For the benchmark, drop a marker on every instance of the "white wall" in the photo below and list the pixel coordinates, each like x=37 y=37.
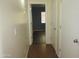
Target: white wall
x=13 y=29
x=70 y=28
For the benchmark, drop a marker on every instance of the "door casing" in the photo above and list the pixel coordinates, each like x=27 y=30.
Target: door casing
x=30 y=21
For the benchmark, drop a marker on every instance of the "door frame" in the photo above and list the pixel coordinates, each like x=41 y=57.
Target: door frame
x=30 y=21
x=60 y=31
x=58 y=40
x=59 y=16
x=59 y=23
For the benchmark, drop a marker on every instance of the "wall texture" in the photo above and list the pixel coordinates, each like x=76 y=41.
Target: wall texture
x=70 y=29
x=13 y=29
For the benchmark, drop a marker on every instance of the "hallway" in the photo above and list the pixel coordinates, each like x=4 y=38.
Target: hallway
x=38 y=37
x=41 y=51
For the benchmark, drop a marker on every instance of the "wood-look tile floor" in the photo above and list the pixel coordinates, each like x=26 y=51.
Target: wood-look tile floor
x=41 y=51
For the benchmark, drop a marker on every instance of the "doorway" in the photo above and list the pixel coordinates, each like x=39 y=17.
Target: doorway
x=38 y=23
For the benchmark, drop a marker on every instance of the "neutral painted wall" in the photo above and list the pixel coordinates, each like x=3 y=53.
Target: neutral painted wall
x=70 y=28
x=13 y=29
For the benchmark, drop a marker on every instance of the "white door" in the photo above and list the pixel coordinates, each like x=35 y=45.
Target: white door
x=70 y=28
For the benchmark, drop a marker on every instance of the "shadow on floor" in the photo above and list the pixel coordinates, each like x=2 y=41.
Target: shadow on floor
x=41 y=51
